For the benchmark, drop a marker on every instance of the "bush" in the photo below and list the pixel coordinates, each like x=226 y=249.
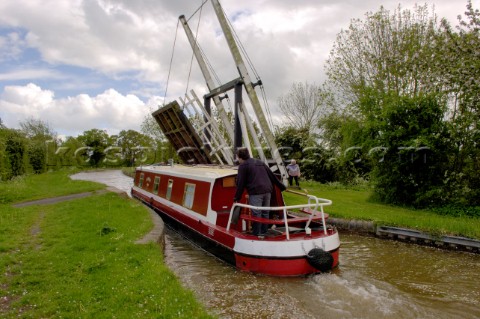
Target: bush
x=414 y=138
x=15 y=150
x=37 y=157
x=457 y=210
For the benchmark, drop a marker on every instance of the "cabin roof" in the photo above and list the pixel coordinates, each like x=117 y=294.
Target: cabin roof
x=201 y=172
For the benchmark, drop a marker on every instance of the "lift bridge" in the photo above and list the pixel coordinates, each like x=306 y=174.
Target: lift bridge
x=195 y=133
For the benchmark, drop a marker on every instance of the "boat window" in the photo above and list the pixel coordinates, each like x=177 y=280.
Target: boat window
x=169 y=189
x=188 y=195
x=155 y=184
x=229 y=181
x=140 y=181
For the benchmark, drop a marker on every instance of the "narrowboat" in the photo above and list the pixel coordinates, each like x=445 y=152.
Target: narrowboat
x=197 y=200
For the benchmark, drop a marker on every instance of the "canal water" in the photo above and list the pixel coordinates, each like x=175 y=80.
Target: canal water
x=376 y=278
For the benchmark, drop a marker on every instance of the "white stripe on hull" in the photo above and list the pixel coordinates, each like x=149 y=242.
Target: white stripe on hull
x=286 y=248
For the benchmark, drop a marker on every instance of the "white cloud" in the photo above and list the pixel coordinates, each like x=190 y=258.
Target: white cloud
x=109 y=110
x=29 y=74
x=287 y=41
x=11 y=46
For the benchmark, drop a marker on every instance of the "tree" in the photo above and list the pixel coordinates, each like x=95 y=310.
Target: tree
x=95 y=141
x=39 y=135
x=387 y=69
x=303 y=106
x=150 y=128
x=164 y=150
x=346 y=136
x=70 y=152
x=300 y=145
x=37 y=129
x=37 y=157
x=386 y=52
x=15 y=152
x=458 y=69
x=409 y=148
x=135 y=147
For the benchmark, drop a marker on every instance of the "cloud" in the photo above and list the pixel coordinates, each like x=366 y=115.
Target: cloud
x=29 y=74
x=71 y=116
x=11 y=45
x=92 y=60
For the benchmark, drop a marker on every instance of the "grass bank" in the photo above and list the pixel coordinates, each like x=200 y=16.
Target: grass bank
x=78 y=259
x=354 y=203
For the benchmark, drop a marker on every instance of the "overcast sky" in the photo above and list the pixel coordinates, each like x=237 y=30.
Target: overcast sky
x=84 y=64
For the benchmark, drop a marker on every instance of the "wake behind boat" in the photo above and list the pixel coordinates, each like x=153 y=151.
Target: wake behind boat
x=197 y=199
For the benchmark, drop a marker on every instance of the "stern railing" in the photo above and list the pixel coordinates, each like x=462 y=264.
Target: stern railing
x=313 y=206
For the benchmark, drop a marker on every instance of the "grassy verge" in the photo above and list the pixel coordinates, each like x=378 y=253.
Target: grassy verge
x=52 y=184
x=78 y=259
x=355 y=204
x=129 y=171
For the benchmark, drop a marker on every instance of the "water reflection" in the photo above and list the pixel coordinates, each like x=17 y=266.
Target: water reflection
x=376 y=279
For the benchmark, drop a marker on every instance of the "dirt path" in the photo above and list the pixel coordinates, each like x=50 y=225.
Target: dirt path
x=53 y=200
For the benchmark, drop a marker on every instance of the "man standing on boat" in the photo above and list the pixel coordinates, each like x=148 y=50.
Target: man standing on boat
x=255 y=176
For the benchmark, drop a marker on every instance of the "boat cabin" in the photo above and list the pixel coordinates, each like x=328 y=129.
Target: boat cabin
x=204 y=191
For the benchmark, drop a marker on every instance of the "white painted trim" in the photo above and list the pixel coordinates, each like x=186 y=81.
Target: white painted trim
x=286 y=248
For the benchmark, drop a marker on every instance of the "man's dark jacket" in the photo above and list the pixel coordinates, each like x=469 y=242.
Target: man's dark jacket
x=256 y=177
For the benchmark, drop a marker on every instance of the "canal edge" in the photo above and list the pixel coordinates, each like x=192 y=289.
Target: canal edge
x=157 y=234
x=406 y=235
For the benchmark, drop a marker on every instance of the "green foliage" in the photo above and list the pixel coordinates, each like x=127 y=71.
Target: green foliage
x=36 y=148
x=300 y=145
x=3 y=155
x=136 y=148
x=292 y=142
x=15 y=152
x=423 y=151
x=95 y=141
x=386 y=51
x=457 y=67
x=317 y=165
x=149 y=127
x=37 y=157
x=457 y=210
x=58 y=266
x=39 y=134
x=344 y=135
x=412 y=138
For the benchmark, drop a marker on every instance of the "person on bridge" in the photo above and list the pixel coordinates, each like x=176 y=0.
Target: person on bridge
x=255 y=176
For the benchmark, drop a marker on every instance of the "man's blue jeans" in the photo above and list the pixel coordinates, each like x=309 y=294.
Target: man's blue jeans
x=262 y=200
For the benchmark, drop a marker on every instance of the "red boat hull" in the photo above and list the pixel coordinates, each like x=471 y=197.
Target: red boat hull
x=222 y=243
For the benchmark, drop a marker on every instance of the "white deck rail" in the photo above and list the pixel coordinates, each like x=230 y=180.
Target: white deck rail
x=313 y=202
